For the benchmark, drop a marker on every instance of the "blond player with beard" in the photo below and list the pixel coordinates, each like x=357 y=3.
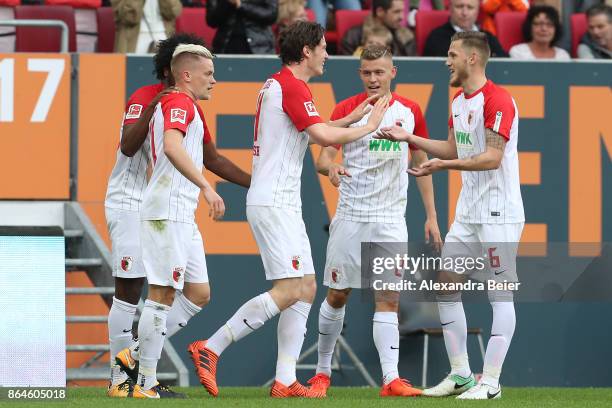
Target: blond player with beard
x=482 y=144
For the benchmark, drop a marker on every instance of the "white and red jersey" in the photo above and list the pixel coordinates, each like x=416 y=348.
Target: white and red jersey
x=284 y=109
x=129 y=176
x=377 y=190
x=170 y=195
x=492 y=196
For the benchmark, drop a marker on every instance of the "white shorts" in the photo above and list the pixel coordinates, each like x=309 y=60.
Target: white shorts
x=495 y=244
x=124 y=230
x=173 y=253
x=281 y=237
x=343 y=262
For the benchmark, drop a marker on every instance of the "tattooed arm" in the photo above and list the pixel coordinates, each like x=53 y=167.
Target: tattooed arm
x=490 y=159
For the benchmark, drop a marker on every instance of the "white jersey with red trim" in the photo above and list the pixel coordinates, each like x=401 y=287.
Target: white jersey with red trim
x=170 y=195
x=284 y=110
x=129 y=176
x=378 y=186
x=492 y=196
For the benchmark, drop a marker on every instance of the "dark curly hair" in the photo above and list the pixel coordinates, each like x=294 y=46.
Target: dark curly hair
x=551 y=13
x=165 y=49
x=295 y=37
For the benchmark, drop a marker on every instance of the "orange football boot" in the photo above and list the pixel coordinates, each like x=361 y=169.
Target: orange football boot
x=294 y=390
x=399 y=388
x=320 y=383
x=205 y=362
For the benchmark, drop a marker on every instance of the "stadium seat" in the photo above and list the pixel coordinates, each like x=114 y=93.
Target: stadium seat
x=311 y=15
x=578 y=25
x=345 y=20
x=106 y=29
x=39 y=39
x=426 y=21
x=509 y=28
x=193 y=20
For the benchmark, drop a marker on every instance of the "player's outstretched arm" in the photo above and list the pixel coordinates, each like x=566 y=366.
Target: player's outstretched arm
x=356 y=115
x=134 y=135
x=443 y=149
x=223 y=167
x=490 y=159
x=425 y=185
x=175 y=152
x=326 y=135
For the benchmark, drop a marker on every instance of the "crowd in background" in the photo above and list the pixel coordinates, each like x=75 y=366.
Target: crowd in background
x=253 y=26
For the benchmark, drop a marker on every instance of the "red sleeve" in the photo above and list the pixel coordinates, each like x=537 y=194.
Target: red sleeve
x=420 y=126
x=136 y=105
x=298 y=105
x=178 y=112
x=499 y=112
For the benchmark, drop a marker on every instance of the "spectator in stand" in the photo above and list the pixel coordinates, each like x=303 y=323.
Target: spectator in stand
x=141 y=24
x=541 y=31
x=243 y=26
x=463 y=15
x=388 y=13
x=490 y=7
x=376 y=34
x=597 y=42
x=320 y=8
x=290 y=11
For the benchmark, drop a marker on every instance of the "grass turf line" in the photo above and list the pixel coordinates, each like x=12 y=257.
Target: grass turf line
x=340 y=397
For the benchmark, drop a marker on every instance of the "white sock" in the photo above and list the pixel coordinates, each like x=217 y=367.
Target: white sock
x=152 y=332
x=135 y=349
x=182 y=310
x=386 y=338
x=120 y=321
x=331 y=321
x=504 y=322
x=290 y=333
x=454 y=328
x=250 y=317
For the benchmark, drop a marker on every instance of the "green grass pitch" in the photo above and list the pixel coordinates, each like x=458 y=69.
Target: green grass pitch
x=338 y=397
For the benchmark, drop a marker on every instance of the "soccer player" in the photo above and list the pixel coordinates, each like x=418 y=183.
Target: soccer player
x=286 y=120
x=371 y=208
x=172 y=249
x=482 y=143
x=123 y=199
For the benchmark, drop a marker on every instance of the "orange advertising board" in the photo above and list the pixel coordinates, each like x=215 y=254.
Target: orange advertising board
x=35 y=126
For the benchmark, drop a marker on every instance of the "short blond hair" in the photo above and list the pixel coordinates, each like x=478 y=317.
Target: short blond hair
x=191 y=51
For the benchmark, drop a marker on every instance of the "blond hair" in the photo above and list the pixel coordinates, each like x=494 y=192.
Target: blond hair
x=191 y=51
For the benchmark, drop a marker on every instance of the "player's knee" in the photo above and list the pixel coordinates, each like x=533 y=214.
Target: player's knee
x=337 y=298
x=129 y=290
x=309 y=289
x=201 y=299
x=161 y=294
